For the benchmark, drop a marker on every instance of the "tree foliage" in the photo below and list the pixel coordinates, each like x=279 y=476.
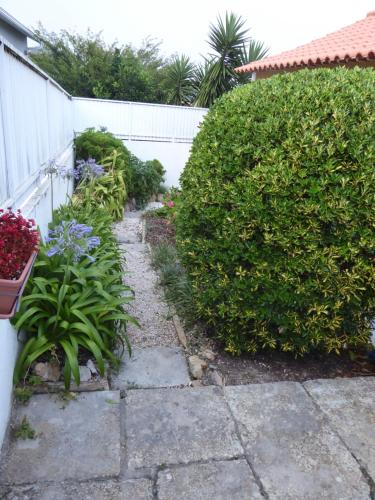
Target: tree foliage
x=231 y=48
x=85 y=66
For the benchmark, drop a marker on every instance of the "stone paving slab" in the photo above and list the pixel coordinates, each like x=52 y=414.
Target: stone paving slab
x=171 y=426
x=131 y=489
x=292 y=449
x=227 y=480
x=78 y=439
x=152 y=367
x=350 y=406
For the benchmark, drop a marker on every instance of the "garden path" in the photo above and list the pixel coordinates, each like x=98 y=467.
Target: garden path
x=154 y=437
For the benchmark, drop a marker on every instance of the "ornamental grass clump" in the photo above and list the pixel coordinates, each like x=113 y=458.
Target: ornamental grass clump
x=277 y=220
x=19 y=238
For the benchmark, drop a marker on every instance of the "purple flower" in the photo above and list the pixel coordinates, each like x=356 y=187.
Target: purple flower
x=71 y=239
x=88 y=169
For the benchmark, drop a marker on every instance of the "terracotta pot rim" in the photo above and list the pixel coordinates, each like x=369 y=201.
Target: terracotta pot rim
x=14 y=289
x=24 y=273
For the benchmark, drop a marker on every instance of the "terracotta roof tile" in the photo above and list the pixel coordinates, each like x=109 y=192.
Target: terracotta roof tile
x=354 y=42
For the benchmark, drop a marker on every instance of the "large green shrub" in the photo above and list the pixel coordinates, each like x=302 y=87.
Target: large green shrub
x=277 y=224
x=100 y=144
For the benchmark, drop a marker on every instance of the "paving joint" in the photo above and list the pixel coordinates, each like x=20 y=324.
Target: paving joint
x=246 y=456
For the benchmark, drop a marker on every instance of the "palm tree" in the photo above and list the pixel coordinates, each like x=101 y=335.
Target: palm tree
x=254 y=51
x=232 y=46
x=180 y=80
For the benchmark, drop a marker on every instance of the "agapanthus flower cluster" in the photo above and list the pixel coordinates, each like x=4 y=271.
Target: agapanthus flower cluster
x=72 y=240
x=88 y=169
x=18 y=239
x=62 y=171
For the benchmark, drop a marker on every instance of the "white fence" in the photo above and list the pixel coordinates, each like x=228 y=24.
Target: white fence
x=36 y=124
x=148 y=130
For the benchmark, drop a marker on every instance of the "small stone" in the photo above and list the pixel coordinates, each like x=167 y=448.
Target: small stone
x=216 y=378
x=196 y=383
x=90 y=365
x=196 y=366
x=208 y=354
x=48 y=372
x=84 y=373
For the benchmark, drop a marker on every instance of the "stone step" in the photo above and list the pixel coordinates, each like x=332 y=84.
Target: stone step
x=152 y=367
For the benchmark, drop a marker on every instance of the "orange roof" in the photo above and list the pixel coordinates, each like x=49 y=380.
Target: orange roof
x=352 y=43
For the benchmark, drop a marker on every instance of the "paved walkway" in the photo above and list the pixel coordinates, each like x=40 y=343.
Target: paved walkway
x=155 y=437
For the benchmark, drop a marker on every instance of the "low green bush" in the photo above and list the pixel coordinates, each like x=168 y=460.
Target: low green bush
x=173 y=278
x=148 y=176
x=277 y=221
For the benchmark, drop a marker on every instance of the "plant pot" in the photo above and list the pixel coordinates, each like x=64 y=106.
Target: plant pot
x=11 y=290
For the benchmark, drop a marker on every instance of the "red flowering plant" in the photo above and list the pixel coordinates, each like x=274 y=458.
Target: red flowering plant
x=18 y=239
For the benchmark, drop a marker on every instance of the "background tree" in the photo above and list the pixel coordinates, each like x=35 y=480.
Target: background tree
x=180 y=80
x=232 y=47
x=85 y=66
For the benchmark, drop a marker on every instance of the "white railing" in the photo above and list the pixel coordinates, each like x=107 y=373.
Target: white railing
x=36 y=124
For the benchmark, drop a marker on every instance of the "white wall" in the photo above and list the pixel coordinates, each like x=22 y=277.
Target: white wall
x=148 y=130
x=172 y=155
x=36 y=125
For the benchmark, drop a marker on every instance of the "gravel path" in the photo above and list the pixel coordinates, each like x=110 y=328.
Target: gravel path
x=149 y=306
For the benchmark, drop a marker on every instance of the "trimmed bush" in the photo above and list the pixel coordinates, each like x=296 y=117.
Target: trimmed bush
x=277 y=223
x=100 y=144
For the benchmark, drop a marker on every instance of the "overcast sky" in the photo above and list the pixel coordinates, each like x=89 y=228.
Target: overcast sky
x=182 y=26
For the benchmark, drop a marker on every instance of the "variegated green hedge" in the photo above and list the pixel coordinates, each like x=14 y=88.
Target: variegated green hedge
x=277 y=225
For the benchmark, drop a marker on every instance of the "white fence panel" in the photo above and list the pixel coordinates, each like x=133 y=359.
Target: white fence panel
x=148 y=130
x=37 y=123
x=138 y=121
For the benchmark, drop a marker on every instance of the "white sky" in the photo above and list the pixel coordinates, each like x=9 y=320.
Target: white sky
x=183 y=26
